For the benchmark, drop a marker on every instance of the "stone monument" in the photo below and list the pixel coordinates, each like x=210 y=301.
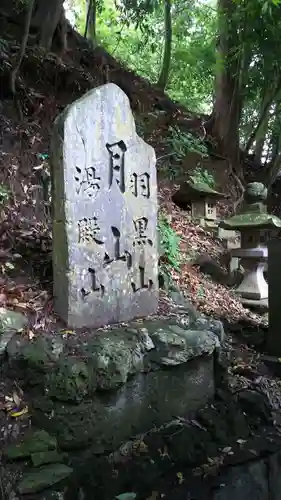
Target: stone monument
x=255 y=225
x=199 y=199
x=105 y=254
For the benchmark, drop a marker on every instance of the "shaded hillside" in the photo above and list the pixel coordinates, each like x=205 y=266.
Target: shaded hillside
x=46 y=84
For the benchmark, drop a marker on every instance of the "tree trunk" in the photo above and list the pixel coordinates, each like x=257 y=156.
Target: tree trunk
x=259 y=133
x=262 y=129
x=273 y=171
x=24 y=41
x=164 y=73
x=46 y=20
x=274 y=146
x=230 y=82
x=90 y=28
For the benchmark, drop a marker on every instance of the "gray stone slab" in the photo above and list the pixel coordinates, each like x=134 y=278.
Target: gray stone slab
x=255 y=304
x=147 y=399
x=246 y=482
x=105 y=253
x=10 y=323
x=106 y=386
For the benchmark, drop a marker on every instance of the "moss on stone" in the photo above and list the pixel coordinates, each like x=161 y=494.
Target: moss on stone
x=36 y=441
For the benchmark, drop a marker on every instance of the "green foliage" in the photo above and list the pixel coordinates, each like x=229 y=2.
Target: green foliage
x=169 y=170
x=133 y=32
x=183 y=143
x=200 y=176
x=193 y=59
x=169 y=244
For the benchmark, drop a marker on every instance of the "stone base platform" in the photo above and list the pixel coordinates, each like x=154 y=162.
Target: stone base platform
x=101 y=387
x=255 y=304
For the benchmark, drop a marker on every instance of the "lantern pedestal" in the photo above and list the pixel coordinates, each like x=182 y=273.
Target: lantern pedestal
x=253 y=261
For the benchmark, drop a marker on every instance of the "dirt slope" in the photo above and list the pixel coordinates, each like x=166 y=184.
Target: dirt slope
x=47 y=83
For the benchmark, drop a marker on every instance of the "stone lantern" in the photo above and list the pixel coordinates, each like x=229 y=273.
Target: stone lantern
x=198 y=199
x=255 y=225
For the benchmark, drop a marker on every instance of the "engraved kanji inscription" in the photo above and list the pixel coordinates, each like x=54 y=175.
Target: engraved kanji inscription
x=87 y=181
x=141 y=239
x=95 y=287
x=140 y=185
x=89 y=231
x=142 y=284
x=126 y=257
x=117 y=164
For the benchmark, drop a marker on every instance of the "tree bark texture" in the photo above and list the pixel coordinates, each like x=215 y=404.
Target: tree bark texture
x=232 y=64
x=164 y=73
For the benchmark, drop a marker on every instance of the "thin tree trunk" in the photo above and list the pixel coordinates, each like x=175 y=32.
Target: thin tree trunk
x=274 y=166
x=90 y=27
x=260 y=140
x=273 y=171
x=22 y=50
x=259 y=146
x=264 y=116
x=227 y=106
x=232 y=63
x=164 y=73
x=24 y=41
x=274 y=146
x=46 y=19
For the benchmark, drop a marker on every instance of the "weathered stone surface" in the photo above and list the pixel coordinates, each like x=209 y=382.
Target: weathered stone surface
x=114 y=416
x=253 y=212
x=40 y=351
x=214 y=455
x=244 y=483
x=223 y=421
x=105 y=213
x=36 y=358
x=117 y=381
x=47 y=457
x=253 y=221
x=253 y=285
x=36 y=441
x=10 y=322
x=126 y=496
x=70 y=380
x=108 y=359
x=256 y=405
x=211 y=325
x=183 y=304
x=192 y=318
x=177 y=345
x=37 y=479
x=117 y=354
x=198 y=198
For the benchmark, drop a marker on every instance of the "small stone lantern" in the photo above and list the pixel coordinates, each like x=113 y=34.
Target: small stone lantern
x=254 y=223
x=198 y=199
